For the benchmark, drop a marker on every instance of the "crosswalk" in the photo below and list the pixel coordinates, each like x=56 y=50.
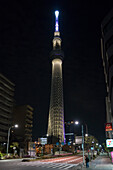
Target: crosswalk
x=47 y=165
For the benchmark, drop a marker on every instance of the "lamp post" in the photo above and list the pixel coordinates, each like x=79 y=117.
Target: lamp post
x=76 y=122
x=86 y=130
x=83 y=142
x=15 y=126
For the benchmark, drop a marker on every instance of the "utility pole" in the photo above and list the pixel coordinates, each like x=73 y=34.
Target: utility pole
x=83 y=142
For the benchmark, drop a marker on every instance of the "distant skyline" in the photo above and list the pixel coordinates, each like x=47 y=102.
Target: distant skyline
x=26 y=33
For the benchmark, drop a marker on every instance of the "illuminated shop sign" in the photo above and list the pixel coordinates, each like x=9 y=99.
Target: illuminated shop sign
x=108 y=127
x=109 y=143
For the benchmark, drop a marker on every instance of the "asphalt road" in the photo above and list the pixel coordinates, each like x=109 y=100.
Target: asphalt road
x=55 y=163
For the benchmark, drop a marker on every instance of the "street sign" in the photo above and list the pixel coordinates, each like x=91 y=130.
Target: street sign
x=62 y=143
x=92 y=148
x=69 y=143
x=57 y=143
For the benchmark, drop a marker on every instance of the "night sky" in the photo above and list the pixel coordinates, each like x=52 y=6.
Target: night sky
x=26 y=33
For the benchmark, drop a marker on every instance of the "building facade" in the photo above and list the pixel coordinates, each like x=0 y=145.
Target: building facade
x=72 y=131
x=69 y=126
x=69 y=131
x=6 y=106
x=107 y=57
x=56 y=111
x=23 y=116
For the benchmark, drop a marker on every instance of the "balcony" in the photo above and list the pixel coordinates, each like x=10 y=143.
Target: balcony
x=28 y=130
x=3 y=133
x=29 y=116
x=5 y=115
x=5 y=121
x=6 y=90
x=4 y=127
x=29 y=121
x=6 y=94
x=6 y=97
x=4 y=101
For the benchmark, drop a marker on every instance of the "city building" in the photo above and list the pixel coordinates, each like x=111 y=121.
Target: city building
x=71 y=131
x=56 y=111
x=42 y=140
x=69 y=126
x=23 y=116
x=107 y=57
x=6 y=106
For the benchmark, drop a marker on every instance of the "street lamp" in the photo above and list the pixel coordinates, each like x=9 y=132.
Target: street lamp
x=15 y=126
x=76 y=122
x=86 y=135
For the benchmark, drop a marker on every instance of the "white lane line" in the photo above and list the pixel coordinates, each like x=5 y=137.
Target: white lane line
x=11 y=160
x=69 y=166
x=63 y=166
x=50 y=165
x=56 y=165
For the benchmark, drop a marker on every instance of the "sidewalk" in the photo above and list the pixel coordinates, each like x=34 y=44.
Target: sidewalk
x=102 y=162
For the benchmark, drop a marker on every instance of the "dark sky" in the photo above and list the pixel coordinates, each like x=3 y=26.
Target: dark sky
x=26 y=33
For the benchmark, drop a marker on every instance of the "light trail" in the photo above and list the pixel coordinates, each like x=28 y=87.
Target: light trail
x=60 y=159
x=66 y=160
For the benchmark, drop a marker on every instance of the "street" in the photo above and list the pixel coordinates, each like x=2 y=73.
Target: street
x=102 y=162
x=54 y=163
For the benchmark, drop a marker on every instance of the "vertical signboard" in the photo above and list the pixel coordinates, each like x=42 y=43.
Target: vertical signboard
x=108 y=127
x=112 y=156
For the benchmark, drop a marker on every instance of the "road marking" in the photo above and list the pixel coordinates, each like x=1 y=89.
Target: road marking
x=44 y=164
x=69 y=167
x=74 y=160
x=56 y=165
x=63 y=166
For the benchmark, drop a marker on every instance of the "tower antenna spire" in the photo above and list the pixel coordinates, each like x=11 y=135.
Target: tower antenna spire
x=56 y=131
x=56 y=21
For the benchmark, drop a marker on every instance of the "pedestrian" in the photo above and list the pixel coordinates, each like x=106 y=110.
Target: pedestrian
x=87 y=161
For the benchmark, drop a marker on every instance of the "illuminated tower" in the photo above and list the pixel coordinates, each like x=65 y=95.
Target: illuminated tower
x=56 y=110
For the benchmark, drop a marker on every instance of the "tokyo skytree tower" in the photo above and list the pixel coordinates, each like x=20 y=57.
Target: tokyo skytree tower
x=56 y=130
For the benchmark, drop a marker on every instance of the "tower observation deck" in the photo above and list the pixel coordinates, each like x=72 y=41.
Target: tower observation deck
x=56 y=111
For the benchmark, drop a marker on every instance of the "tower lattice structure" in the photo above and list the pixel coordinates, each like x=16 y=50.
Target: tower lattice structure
x=56 y=130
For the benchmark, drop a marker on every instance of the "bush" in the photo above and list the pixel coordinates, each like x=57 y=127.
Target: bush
x=1 y=155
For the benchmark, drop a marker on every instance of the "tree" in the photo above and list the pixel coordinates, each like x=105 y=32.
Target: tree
x=14 y=146
x=90 y=141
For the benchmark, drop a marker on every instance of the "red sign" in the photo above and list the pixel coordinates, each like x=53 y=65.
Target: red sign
x=108 y=127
